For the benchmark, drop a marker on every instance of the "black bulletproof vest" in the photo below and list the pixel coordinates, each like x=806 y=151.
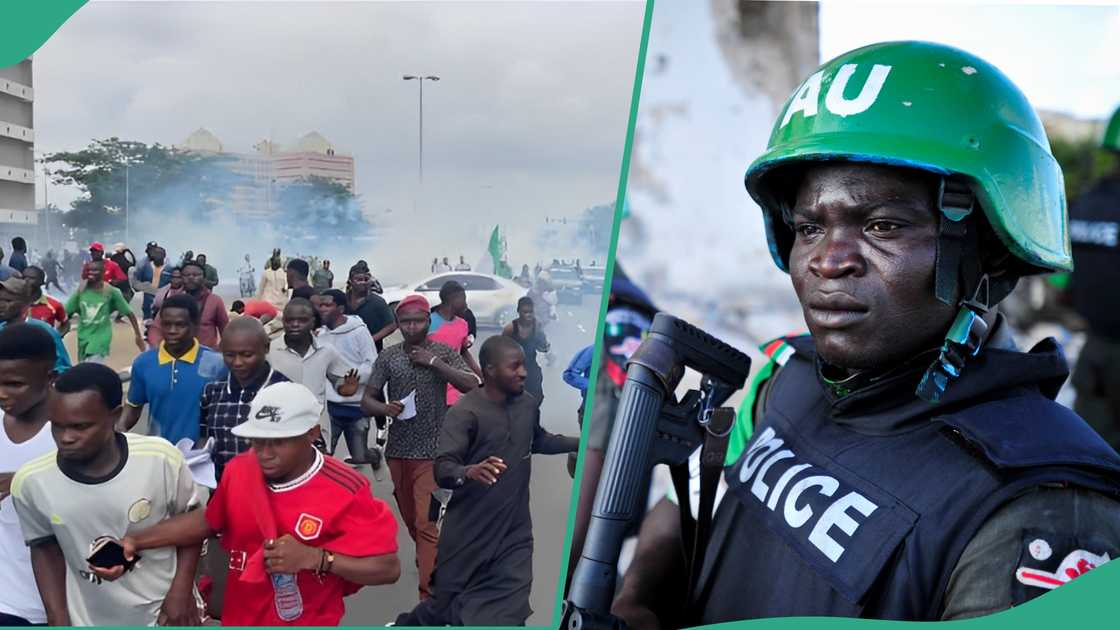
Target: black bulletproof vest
x=820 y=519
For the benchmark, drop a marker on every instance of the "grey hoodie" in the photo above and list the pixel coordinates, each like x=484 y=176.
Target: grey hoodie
x=353 y=341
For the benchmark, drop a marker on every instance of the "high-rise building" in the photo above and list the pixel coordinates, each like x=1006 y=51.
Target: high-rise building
x=270 y=166
x=17 y=153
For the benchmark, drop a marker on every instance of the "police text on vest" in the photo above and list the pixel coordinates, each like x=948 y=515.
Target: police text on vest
x=778 y=481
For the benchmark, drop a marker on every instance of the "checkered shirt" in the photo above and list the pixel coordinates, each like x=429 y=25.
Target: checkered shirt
x=224 y=405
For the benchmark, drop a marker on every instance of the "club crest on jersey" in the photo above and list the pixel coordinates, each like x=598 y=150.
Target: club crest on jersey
x=308 y=526
x=139 y=511
x=807 y=97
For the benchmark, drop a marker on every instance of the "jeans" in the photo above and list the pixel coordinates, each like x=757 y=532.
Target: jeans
x=356 y=431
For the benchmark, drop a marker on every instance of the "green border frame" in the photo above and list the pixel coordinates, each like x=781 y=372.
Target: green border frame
x=28 y=24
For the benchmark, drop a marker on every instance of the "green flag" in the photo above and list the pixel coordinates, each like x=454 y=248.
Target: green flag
x=498 y=265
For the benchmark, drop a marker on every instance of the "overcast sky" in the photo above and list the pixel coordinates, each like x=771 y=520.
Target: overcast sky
x=528 y=120
x=1064 y=57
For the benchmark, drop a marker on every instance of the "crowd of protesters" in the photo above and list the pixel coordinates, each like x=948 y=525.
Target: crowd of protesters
x=229 y=491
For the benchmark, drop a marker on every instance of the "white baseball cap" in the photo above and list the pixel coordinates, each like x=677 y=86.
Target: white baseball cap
x=281 y=410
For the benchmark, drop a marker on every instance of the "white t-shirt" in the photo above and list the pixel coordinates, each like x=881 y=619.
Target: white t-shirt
x=312 y=370
x=18 y=594
x=153 y=483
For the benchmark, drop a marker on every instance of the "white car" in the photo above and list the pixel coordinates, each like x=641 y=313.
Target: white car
x=492 y=299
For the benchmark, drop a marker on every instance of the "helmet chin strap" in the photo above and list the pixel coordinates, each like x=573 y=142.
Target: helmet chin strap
x=958 y=272
x=964 y=339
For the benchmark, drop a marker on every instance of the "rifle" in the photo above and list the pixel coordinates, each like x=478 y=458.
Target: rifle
x=653 y=427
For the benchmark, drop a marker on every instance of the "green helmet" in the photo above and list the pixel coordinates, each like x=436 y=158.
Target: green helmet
x=931 y=107
x=1111 y=138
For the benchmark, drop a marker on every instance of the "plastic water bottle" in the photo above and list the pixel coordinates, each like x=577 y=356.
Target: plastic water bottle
x=289 y=602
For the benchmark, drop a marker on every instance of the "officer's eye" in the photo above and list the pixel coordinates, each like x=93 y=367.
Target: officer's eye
x=882 y=227
x=806 y=230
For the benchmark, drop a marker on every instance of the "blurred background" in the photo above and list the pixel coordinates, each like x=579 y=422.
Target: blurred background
x=717 y=73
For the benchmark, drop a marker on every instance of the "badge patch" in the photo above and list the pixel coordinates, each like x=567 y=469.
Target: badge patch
x=1048 y=561
x=237 y=560
x=308 y=526
x=1074 y=565
x=139 y=511
x=1040 y=549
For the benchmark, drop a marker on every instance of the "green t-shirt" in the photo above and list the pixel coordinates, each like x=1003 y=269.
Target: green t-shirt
x=95 y=311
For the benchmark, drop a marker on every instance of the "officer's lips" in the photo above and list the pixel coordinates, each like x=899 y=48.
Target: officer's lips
x=835 y=310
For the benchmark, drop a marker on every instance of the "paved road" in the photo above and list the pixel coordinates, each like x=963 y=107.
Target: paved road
x=550 y=488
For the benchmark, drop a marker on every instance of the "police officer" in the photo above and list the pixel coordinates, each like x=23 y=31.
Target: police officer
x=1095 y=232
x=908 y=460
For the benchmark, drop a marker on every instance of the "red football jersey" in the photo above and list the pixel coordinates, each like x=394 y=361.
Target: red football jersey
x=331 y=506
x=48 y=310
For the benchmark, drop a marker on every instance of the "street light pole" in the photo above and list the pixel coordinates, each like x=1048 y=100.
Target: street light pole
x=126 y=202
x=47 y=206
x=421 y=79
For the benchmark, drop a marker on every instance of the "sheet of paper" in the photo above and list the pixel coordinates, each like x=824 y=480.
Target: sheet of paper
x=409 y=403
x=199 y=461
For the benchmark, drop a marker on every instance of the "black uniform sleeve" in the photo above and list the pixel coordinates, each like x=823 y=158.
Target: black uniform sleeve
x=1030 y=546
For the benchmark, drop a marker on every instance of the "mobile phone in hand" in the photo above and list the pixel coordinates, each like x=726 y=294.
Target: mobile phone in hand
x=108 y=553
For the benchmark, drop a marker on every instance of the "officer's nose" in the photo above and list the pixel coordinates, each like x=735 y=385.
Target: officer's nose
x=837 y=255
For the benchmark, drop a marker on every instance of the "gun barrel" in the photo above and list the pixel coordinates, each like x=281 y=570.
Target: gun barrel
x=620 y=487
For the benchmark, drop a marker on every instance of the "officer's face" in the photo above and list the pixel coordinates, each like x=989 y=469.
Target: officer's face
x=862 y=264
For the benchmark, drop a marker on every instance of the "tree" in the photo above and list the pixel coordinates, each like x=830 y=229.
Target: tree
x=152 y=181
x=322 y=207
x=595 y=227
